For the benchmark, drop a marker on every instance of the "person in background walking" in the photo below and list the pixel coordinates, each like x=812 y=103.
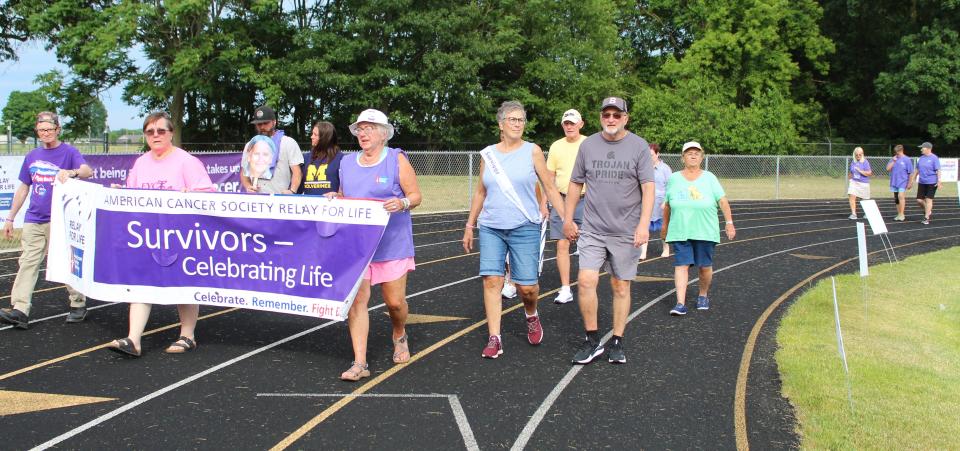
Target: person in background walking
x=927 y=176
x=900 y=167
x=562 y=155
x=690 y=224
x=859 y=175
x=661 y=173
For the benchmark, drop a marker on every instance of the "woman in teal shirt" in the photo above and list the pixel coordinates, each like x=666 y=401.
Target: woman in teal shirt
x=690 y=224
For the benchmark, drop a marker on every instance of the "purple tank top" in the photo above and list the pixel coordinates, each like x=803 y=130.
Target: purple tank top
x=381 y=181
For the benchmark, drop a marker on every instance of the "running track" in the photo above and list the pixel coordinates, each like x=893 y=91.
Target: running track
x=261 y=381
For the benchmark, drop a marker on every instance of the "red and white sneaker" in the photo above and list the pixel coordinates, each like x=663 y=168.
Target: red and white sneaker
x=534 y=330
x=493 y=348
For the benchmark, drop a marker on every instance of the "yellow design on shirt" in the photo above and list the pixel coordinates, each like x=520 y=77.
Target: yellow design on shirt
x=316 y=173
x=695 y=193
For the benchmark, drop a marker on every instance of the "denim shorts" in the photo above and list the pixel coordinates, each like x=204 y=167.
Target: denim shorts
x=523 y=244
x=693 y=252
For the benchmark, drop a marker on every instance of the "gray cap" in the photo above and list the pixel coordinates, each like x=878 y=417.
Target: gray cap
x=615 y=102
x=926 y=145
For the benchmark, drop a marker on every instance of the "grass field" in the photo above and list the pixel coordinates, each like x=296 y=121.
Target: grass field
x=903 y=349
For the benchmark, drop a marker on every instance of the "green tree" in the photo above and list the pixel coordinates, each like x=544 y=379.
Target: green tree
x=12 y=30
x=923 y=79
x=21 y=110
x=81 y=113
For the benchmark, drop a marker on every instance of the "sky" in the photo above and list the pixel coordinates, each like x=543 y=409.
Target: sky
x=34 y=60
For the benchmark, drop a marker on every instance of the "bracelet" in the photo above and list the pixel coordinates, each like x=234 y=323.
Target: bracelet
x=729 y=223
x=406 y=203
x=467 y=225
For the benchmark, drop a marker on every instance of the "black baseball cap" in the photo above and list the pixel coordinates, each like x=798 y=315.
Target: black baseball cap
x=263 y=114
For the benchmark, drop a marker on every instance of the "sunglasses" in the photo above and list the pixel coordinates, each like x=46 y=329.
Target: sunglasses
x=615 y=115
x=155 y=131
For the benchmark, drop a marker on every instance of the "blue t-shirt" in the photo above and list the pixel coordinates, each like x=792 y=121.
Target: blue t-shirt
x=40 y=168
x=321 y=177
x=498 y=211
x=900 y=172
x=927 y=166
x=863 y=166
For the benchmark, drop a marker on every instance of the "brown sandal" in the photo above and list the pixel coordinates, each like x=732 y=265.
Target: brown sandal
x=401 y=350
x=182 y=345
x=356 y=372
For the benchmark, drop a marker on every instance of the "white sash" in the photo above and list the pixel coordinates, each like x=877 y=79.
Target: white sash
x=504 y=183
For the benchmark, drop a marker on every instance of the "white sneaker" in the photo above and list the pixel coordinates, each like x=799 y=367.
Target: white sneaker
x=509 y=291
x=853 y=216
x=563 y=296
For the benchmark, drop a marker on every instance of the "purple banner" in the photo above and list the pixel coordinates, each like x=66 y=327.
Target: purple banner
x=224 y=169
x=300 y=258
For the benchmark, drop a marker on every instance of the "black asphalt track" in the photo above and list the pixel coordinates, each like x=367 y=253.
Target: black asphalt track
x=261 y=380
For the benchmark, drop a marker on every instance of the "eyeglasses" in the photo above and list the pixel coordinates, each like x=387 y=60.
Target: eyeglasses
x=155 y=131
x=366 y=130
x=46 y=130
x=615 y=115
x=515 y=120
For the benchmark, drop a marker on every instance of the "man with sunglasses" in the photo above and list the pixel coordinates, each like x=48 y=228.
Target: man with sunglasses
x=617 y=169
x=53 y=160
x=285 y=172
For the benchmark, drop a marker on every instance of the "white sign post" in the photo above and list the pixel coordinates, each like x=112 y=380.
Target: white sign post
x=872 y=212
x=840 y=348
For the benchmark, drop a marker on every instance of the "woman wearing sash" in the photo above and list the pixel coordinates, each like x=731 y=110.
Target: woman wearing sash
x=506 y=213
x=381 y=172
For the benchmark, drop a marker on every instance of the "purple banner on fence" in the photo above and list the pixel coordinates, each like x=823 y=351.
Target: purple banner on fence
x=292 y=257
x=224 y=169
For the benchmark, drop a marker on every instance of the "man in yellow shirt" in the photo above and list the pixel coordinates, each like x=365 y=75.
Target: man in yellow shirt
x=562 y=155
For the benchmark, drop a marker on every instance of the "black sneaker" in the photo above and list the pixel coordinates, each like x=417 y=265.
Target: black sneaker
x=615 y=352
x=588 y=351
x=15 y=317
x=77 y=314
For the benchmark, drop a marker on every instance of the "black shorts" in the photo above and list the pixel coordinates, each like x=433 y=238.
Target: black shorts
x=925 y=191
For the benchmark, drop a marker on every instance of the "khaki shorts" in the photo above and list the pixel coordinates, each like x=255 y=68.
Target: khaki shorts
x=615 y=254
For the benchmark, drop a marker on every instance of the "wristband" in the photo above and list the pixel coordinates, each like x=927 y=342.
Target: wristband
x=467 y=225
x=406 y=203
x=729 y=222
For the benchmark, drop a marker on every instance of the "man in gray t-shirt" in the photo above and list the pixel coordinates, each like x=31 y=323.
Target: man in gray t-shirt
x=285 y=177
x=616 y=167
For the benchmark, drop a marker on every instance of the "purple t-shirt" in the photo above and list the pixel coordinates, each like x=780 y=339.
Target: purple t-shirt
x=900 y=172
x=39 y=170
x=863 y=166
x=927 y=166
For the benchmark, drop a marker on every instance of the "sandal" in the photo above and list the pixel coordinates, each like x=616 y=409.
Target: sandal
x=401 y=350
x=356 y=372
x=182 y=345
x=125 y=347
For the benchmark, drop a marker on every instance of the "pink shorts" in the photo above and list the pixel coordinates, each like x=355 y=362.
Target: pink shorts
x=388 y=271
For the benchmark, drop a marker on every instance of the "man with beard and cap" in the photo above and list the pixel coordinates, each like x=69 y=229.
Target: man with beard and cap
x=616 y=167
x=283 y=175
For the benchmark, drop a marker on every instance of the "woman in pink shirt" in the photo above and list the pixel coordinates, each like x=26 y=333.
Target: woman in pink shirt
x=163 y=167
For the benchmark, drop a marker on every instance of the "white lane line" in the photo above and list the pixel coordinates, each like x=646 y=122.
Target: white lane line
x=129 y=406
x=61 y=315
x=444 y=242
x=551 y=398
x=13 y=273
x=458 y=413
